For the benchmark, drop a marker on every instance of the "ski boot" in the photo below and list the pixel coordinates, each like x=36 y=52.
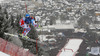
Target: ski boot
x=24 y=37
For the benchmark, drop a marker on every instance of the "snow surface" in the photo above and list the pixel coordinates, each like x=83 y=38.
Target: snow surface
x=43 y=37
x=95 y=50
x=70 y=48
x=80 y=30
x=73 y=44
x=66 y=53
x=62 y=26
x=1 y=1
x=3 y=54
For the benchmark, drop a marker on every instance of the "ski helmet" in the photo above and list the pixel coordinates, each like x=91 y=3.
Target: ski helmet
x=37 y=18
x=27 y=15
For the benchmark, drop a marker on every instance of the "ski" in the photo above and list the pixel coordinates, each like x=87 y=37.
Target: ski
x=32 y=40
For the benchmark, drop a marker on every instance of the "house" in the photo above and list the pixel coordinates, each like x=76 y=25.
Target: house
x=96 y=0
x=97 y=13
x=58 y=21
x=94 y=51
x=59 y=27
x=80 y=30
x=98 y=18
x=43 y=22
x=91 y=27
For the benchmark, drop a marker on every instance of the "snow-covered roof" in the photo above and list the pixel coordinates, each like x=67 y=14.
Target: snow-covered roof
x=96 y=0
x=60 y=26
x=97 y=26
x=98 y=18
x=97 y=12
x=48 y=27
x=58 y=21
x=43 y=37
x=95 y=50
x=80 y=30
x=63 y=26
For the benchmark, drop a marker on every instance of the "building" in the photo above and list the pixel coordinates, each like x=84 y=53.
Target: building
x=94 y=51
x=97 y=13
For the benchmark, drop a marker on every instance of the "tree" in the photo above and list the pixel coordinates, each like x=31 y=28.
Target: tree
x=17 y=26
x=4 y=24
x=64 y=17
x=6 y=14
x=91 y=12
x=12 y=21
x=84 y=21
x=0 y=7
x=91 y=36
x=52 y=20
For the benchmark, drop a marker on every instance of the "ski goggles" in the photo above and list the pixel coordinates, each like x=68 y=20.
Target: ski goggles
x=27 y=17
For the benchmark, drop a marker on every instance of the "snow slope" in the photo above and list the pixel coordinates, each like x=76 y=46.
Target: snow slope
x=70 y=48
x=3 y=54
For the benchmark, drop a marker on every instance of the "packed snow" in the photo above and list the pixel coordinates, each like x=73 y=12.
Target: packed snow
x=3 y=54
x=70 y=48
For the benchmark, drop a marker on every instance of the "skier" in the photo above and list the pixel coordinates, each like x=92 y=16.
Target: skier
x=25 y=24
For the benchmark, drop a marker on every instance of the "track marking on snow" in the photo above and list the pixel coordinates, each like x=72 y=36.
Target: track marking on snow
x=70 y=49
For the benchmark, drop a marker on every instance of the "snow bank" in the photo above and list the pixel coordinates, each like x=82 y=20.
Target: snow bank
x=43 y=37
x=3 y=54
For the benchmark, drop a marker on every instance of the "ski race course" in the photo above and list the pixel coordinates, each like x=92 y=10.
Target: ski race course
x=70 y=49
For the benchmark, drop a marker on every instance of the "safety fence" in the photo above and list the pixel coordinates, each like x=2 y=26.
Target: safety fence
x=13 y=50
